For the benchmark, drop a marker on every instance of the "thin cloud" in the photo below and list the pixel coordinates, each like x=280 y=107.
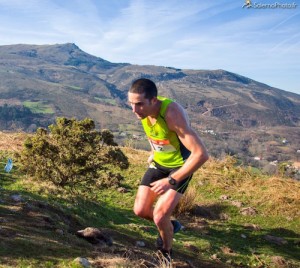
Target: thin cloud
x=189 y=34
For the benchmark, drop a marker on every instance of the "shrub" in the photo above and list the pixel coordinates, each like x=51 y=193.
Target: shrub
x=73 y=155
x=187 y=203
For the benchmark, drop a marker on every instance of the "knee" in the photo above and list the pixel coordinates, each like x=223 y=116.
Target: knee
x=159 y=218
x=140 y=212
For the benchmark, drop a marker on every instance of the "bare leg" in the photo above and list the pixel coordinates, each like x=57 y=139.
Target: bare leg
x=143 y=205
x=162 y=214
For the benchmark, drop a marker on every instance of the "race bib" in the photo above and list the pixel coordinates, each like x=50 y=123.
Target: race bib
x=161 y=145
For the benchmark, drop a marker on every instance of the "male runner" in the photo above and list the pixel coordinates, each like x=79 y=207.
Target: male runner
x=177 y=152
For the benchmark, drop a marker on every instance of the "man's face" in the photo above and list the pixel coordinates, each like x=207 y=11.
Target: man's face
x=141 y=106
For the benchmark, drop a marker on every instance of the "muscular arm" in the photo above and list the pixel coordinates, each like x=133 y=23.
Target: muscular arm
x=178 y=122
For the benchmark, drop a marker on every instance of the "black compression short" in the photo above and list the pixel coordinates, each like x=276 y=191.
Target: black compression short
x=156 y=172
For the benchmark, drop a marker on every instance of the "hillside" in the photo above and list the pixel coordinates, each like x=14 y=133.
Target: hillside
x=231 y=112
x=238 y=219
x=71 y=82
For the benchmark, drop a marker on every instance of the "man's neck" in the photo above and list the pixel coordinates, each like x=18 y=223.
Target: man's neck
x=156 y=110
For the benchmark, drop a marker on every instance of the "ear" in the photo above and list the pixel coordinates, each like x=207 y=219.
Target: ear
x=154 y=100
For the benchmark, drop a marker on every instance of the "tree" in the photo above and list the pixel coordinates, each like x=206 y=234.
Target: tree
x=73 y=155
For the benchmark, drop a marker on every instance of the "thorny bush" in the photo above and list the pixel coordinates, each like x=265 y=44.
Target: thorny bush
x=73 y=155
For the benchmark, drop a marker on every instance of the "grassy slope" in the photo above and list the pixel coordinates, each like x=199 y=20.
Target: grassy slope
x=39 y=231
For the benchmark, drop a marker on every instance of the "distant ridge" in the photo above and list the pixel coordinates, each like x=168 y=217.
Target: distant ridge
x=72 y=83
x=234 y=114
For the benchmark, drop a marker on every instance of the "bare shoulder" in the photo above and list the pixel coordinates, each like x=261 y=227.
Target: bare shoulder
x=178 y=121
x=176 y=116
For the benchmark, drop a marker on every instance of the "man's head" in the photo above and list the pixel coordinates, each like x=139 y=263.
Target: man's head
x=144 y=86
x=142 y=97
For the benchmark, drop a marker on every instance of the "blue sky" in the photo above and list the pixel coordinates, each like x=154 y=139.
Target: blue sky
x=260 y=43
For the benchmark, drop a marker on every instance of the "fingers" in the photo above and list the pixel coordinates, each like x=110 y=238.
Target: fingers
x=154 y=187
x=158 y=187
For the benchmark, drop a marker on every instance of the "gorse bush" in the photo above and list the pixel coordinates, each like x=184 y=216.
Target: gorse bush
x=73 y=155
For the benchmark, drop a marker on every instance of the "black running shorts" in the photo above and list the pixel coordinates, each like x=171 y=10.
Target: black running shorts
x=157 y=172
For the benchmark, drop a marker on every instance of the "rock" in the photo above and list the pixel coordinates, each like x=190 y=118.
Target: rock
x=140 y=244
x=237 y=204
x=224 y=197
x=95 y=236
x=249 y=211
x=227 y=250
x=224 y=216
x=200 y=183
x=214 y=257
x=191 y=247
x=275 y=240
x=252 y=226
x=122 y=190
x=83 y=261
x=16 y=197
x=59 y=231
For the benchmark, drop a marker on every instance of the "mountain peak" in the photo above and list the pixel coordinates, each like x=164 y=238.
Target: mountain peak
x=68 y=54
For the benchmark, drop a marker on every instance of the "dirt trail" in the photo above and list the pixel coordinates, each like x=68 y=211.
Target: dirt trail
x=222 y=106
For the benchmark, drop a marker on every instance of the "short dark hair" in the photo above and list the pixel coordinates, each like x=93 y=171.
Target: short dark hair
x=144 y=85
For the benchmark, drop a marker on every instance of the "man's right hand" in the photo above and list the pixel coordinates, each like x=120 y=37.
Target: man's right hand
x=160 y=186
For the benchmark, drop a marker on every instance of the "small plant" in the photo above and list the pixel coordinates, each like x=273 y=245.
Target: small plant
x=187 y=202
x=163 y=262
x=73 y=155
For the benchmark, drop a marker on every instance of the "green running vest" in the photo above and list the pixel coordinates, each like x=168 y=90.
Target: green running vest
x=167 y=148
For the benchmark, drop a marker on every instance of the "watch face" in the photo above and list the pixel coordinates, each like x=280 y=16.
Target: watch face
x=172 y=181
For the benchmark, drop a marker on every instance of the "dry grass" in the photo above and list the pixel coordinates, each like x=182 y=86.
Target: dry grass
x=279 y=196
x=12 y=141
x=138 y=157
x=187 y=202
x=111 y=261
x=222 y=172
x=296 y=164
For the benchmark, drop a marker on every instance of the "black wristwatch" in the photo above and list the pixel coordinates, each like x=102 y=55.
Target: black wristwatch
x=171 y=180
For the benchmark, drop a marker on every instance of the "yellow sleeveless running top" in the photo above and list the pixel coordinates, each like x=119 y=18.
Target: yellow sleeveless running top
x=167 y=148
